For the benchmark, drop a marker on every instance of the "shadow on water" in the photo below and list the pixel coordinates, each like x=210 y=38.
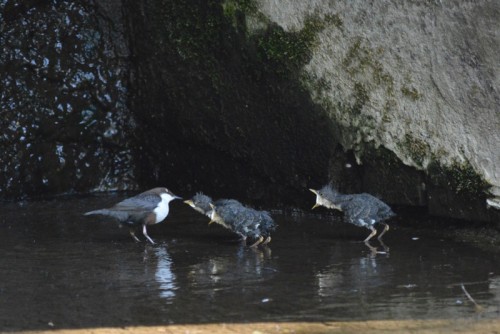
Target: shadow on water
x=62 y=270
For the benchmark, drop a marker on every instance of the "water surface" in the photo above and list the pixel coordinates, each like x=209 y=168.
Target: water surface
x=60 y=269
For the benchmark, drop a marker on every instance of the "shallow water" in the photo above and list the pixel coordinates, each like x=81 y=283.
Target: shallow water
x=60 y=269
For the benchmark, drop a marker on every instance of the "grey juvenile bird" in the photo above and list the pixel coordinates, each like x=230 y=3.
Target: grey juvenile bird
x=231 y=214
x=362 y=210
x=147 y=208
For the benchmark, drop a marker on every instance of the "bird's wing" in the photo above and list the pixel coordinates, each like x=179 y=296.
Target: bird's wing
x=365 y=209
x=385 y=212
x=266 y=223
x=235 y=216
x=269 y=225
x=141 y=202
x=256 y=223
x=357 y=210
x=380 y=210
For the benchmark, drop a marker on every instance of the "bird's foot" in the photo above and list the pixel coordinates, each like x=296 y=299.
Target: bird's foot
x=258 y=242
x=265 y=242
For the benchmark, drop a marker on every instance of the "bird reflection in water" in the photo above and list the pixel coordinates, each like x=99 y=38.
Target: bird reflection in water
x=362 y=274
x=163 y=274
x=374 y=251
x=232 y=270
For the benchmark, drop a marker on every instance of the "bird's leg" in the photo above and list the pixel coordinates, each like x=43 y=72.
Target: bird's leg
x=386 y=228
x=255 y=244
x=268 y=240
x=132 y=233
x=374 y=231
x=145 y=232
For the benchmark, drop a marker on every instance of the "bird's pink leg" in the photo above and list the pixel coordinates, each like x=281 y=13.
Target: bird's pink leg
x=374 y=231
x=386 y=228
x=145 y=232
x=268 y=240
x=255 y=244
x=132 y=233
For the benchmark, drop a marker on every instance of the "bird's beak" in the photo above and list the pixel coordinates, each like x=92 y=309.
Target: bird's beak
x=315 y=192
x=213 y=208
x=189 y=202
x=177 y=197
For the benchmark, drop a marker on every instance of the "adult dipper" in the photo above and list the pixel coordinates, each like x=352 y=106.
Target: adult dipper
x=147 y=208
x=362 y=210
x=231 y=214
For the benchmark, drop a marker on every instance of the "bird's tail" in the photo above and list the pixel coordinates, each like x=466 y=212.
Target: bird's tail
x=268 y=225
x=104 y=212
x=120 y=215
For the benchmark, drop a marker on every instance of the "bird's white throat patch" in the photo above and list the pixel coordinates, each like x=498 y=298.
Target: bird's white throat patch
x=161 y=210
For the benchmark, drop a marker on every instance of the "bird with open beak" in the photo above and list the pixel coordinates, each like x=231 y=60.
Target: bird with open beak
x=362 y=210
x=231 y=214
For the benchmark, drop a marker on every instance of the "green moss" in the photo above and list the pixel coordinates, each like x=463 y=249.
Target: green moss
x=236 y=11
x=231 y=7
x=460 y=177
x=360 y=97
x=465 y=179
x=411 y=93
x=361 y=59
x=313 y=25
x=287 y=52
x=416 y=148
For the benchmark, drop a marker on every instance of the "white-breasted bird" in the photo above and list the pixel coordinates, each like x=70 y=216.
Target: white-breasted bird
x=148 y=208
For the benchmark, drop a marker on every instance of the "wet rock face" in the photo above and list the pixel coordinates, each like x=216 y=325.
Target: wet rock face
x=234 y=98
x=215 y=112
x=417 y=78
x=63 y=115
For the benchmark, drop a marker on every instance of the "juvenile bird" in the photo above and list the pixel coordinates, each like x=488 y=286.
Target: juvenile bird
x=148 y=208
x=362 y=210
x=231 y=214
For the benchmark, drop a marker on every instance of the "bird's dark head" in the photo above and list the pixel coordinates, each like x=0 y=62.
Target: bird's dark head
x=200 y=203
x=164 y=193
x=325 y=196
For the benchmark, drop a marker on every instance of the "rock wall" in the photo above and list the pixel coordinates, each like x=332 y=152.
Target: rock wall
x=419 y=78
x=256 y=100
x=63 y=110
x=213 y=114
